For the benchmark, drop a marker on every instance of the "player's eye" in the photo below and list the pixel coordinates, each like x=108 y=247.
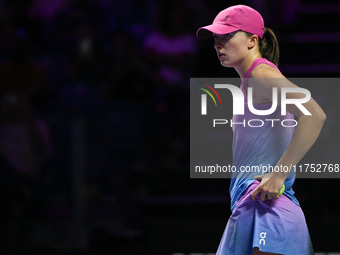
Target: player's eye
x=227 y=36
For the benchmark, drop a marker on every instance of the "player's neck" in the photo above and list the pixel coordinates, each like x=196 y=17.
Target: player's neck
x=244 y=66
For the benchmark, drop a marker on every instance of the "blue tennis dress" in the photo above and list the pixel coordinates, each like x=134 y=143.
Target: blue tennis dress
x=277 y=225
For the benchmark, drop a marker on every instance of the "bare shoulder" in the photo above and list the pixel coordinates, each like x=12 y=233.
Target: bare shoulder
x=263 y=79
x=265 y=71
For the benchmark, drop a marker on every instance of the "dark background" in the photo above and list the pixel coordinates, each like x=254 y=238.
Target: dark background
x=110 y=81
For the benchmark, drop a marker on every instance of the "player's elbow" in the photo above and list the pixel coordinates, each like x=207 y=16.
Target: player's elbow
x=320 y=116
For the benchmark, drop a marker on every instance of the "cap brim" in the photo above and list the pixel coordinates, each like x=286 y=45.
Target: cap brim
x=220 y=29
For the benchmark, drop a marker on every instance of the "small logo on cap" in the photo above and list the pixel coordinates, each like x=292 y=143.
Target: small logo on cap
x=226 y=17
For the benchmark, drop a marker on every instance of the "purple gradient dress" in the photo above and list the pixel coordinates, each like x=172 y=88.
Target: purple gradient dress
x=277 y=225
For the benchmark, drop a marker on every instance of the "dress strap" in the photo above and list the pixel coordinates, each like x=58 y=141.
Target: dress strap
x=252 y=67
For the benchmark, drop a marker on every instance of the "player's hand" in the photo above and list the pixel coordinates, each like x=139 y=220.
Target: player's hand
x=269 y=188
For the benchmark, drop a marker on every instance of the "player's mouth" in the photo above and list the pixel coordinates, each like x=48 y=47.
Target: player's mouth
x=220 y=55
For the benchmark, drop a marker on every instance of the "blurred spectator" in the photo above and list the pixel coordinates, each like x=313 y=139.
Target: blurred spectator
x=24 y=26
x=170 y=52
x=276 y=14
x=87 y=65
x=170 y=49
x=24 y=140
x=127 y=79
x=24 y=148
x=47 y=10
x=22 y=75
x=89 y=58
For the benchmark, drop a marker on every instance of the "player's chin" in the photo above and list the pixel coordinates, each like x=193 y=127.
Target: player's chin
x=225 y=63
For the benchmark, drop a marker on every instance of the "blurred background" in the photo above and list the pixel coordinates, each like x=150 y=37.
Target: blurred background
x=94 y=117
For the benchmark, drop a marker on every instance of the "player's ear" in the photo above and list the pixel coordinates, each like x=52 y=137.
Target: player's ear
x=252 y=41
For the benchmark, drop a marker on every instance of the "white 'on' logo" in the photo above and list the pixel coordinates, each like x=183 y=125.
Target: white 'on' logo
x=263 y=236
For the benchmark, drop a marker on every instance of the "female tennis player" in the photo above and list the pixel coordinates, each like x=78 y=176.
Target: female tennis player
x=263 y=221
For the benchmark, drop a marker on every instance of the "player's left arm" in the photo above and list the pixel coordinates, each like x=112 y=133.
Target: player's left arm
x=306 y=131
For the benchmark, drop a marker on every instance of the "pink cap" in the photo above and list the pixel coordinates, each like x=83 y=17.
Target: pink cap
x=237 y=17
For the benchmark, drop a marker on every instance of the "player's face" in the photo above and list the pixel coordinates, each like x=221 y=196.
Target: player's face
x=231 y=48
